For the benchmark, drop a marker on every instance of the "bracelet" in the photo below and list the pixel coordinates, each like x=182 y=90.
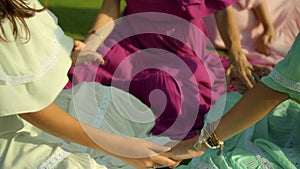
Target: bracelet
x=211 y=142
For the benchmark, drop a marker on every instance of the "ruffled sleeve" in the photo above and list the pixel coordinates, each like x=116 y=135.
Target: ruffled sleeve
x=285 y=77
x=202 y=8
x=33 y=73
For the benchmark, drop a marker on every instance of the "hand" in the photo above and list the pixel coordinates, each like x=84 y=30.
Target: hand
x=264 y=40
x=81 y=54
x=144 y=154
x=241 y=70
x=262 y=70
x=259 y=70
x=184 y=149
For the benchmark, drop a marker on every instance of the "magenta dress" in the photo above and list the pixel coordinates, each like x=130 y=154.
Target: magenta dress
x=159 y=53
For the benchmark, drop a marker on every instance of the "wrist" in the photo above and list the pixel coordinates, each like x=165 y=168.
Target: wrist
x=208 y=139
x=94 y=40
x=269 y=29
x=235 y=51
x=237 y=56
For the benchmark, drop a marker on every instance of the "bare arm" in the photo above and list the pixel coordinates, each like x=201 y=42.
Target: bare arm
x=55 y=121
x=253 y=106
x=239 y=67
x=102 y=27
x=262 y=14
x=109 y=12
x=104 y=23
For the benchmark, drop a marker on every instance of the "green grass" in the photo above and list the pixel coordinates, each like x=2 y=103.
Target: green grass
x=76 y=16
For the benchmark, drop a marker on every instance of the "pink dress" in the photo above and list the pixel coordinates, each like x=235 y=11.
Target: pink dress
x=158 y=53
x=284 y=15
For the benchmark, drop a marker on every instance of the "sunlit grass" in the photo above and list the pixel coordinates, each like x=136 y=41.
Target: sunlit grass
x=76 y=16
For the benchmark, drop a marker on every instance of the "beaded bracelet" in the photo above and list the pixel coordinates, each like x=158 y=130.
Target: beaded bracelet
x=212 y=140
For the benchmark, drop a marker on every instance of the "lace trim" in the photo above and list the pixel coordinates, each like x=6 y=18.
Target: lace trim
x=285 y=82
x=54 y=159
x=50 y=61
x=264 y=162
x=100 y=115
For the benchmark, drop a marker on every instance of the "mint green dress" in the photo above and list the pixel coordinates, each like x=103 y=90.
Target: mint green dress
x=273 y=142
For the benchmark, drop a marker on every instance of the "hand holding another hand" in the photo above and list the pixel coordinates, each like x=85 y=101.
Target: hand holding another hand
x=83 y=55
x=260 y=71
x=184 y=149
x=241 y=70
x=143 y=154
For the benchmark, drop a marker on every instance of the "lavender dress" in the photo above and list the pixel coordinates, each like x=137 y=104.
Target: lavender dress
x=159 y=53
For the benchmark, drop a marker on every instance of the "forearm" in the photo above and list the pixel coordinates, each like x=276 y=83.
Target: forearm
x=255 y=105
x=262 y=14
x=55 y=121
x=104 y=22
x=109 y=12
x=229 y=31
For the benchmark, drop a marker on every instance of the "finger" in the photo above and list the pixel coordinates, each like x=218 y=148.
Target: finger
x=266 y=51
x=262 y=70
x=265 y=46
x=266 y=70
x=76 y=42
x=240 y=87
x=245 y=80
x=236 y=82
x=261 y=46
x=92 y=56
x=160 y=160
x=98 y=57
x=256 y=76
x=271 y=39
x=78 y=45
x=228 y=78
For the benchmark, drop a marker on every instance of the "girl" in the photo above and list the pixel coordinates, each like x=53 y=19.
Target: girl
x=33 y=71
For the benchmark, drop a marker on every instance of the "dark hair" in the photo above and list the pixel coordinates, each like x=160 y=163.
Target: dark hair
x=15 y=11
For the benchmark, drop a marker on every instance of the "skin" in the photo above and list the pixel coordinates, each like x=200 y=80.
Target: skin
x=55 y=121
x=239 y=68
x=254 y=105
x=268 y=35
x=84 y=52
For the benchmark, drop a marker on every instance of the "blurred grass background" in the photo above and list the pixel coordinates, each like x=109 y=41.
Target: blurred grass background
x=76 y=16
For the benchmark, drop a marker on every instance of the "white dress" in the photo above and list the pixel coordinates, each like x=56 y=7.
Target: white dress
x=32 y=76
